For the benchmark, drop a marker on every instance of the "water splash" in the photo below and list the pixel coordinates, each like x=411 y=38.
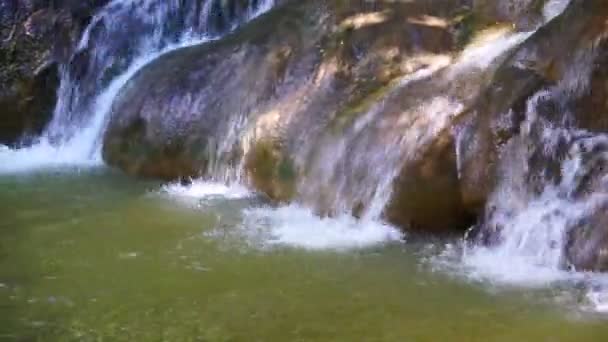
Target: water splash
x=200 y=189
x=534 y=211
x=548 y=185
x=298 y=227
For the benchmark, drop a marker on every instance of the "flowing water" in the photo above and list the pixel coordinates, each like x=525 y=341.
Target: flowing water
x=89 y=254
x=93 y=255
x=122 y=38
x=535 y=211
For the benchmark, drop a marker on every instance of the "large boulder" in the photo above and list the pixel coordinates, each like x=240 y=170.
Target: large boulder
x=284 y=98
x=401 y=109
x=547 y=59
x=427 y=194
x=195 y=95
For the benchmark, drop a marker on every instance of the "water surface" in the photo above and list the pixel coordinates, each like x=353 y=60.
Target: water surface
x=89 y=255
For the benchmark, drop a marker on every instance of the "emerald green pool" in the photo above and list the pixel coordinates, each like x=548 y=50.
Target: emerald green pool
x=92 y=255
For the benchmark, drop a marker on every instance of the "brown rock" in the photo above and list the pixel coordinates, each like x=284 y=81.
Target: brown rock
x=34 y=38
x=427 y=194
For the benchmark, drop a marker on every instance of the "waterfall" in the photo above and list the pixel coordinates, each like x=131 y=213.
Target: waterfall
x=533 y=210
x=343 y=164
x=535 y=215
x=543 y=223
x=355 y=171
x=121 y=38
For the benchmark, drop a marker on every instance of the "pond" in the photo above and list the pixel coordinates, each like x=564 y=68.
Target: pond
x=90 y=255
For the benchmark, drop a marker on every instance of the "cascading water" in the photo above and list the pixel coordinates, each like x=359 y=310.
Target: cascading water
x=532 y=220
x=353 y=173
x=342 y=164
x=551 y=186
x=357 y=169
x=122 y=37
x=534 y=214
x=532 y=226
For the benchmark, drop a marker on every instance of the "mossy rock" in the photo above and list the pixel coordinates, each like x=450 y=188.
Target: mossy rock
x=272 y=171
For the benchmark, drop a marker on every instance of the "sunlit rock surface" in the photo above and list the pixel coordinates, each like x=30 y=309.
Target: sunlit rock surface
x=301 y=98
x=434 y=117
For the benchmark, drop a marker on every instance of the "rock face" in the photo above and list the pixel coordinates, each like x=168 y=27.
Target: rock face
x=35 y=36
x=433 y=115
x=279 y=104
x=543 y=140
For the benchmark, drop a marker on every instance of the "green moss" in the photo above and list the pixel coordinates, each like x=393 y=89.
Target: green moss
x=361 y=103
x=286 y=170
x=264 y=161
x=271 y=171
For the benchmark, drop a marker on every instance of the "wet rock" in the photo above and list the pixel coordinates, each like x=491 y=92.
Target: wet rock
x=543 y=61
x=285 y=103
x=538 y=132
x=272 y=171
x=427 y=194
x=35 y=36
x=587 y=248
x=28 y=105
x=188 y=113
x=349 y=95
x=591 y=109
x=525 y=15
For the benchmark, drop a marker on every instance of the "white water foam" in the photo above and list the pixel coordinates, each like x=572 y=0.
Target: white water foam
x=530 y=255
x=200 y=189
x=532 y=228
x=489 y=267
x=597 y=297
x=41 y=155
x=287 y=226
x=579 y=292
x=298 y=227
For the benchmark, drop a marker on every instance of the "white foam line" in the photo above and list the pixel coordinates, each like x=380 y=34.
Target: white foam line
x=484 y=265
x=298 y=227
x=200 y=189
x=82 y=150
